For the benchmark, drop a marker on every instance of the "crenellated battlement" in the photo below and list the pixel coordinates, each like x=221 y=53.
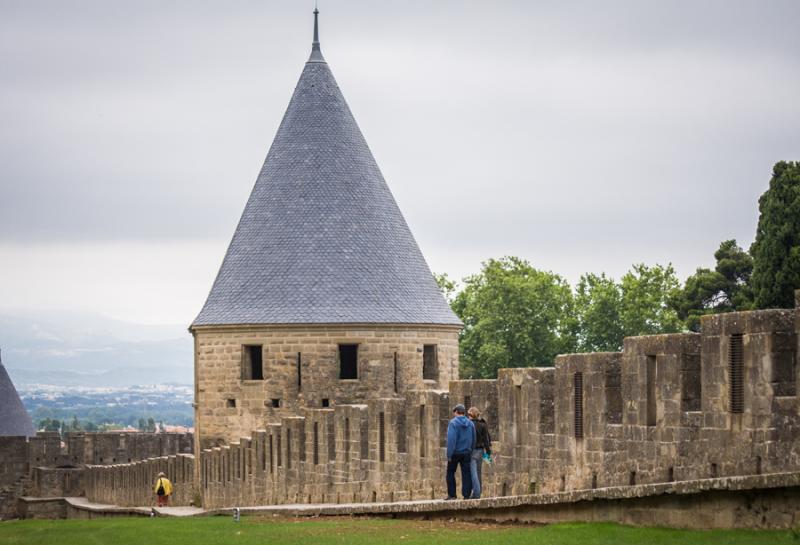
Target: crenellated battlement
x=722 y=402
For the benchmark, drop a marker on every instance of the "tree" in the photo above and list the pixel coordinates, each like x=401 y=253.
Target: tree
x=598 y=304
x=151 y=424
x=142 y=424
x=514 y=316
x=50 y=424
x=725 y=289
x=776 y=250
x=447 y=286
x=75 y=425
x=647 y=293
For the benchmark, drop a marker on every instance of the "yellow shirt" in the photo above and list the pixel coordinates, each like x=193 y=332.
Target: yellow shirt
x=165 y=483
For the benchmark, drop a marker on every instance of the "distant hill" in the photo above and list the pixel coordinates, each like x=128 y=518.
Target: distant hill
x=91 y=350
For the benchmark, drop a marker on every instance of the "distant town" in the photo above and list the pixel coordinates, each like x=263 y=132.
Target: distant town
x=163 y=407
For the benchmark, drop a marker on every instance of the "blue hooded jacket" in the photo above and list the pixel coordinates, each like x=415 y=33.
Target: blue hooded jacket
x=460 y=436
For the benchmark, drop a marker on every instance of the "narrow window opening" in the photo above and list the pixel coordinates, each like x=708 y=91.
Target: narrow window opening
x=594 y=481
x=613 y=385
x=691 y=383
x=316 y=443
x=430 y=362
x=231 y=403
x=736 y=373
x=279 y=450
x=289 y=449
x=714 y=471
x=271 y=453
x=347 y=440
x=364 y=440
x=532 y=487
x=517 y=415
x=670 y=474
x=299 y=371
x=632 y=478
x=758 y=465
x=276 y=402
x=422 y=446
x=252 y=360
x=326 y=402
x=381 y=437
x=504 y=491
x=330 y=439
x=394 y=375
x=563 y=483
x=348 y=361
x=374 y=496
x=577 y=386
x=650 y=393
x=400 y=430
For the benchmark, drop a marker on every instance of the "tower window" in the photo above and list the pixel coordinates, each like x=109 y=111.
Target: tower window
x=348 y=361
x=736 y=373
x=276 y=402
x=252 y=368
x=430 y=362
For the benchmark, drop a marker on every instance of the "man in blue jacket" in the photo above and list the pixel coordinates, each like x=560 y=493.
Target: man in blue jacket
x=460 y=442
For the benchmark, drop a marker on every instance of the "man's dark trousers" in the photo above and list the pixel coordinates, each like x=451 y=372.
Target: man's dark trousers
x=462 y=459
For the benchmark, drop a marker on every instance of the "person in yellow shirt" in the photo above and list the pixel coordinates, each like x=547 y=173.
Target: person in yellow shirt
x=163 y=490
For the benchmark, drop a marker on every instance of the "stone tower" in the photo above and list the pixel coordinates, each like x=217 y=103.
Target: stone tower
x=14 y=418
x=323 y=297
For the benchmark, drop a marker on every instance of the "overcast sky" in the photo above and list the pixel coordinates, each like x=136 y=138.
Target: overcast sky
x=583 y=136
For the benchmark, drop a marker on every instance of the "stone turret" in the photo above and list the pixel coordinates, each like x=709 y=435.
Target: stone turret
x=323 y=297
x=14 y=419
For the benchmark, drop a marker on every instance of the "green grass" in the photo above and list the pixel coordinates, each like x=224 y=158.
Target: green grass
x=222 y=530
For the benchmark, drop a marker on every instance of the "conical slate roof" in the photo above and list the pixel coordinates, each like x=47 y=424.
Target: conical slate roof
x=14 y=419
x=321 y=239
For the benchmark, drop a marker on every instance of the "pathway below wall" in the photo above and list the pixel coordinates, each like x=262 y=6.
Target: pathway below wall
x=756 y=501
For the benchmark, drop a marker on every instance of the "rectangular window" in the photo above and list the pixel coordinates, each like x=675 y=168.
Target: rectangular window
x=430 y=362
x=279 y=451
x=348 y=361
x=577 y=387
x=231 y=403
x=518 y=421
x=289 y=449
x=736 y=373
x=252 y=360
x=650 y=393
x=326 y=402
x=271 y=454
x=276 y=403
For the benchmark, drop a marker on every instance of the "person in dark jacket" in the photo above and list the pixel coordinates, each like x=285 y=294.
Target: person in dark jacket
x=460 y=442
x=483 y=444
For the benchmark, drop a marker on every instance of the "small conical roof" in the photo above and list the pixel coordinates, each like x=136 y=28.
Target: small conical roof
x=321 y=239
x=14 y=418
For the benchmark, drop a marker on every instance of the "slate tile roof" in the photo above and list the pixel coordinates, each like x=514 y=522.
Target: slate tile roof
x=14 y=419
x=321 y=239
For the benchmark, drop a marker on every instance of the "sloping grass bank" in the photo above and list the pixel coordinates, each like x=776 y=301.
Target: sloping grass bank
x=357 y=531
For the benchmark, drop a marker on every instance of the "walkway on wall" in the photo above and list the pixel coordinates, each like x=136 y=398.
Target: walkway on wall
x=756 y=501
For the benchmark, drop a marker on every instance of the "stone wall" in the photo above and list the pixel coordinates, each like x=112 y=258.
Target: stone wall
x=51 y=466
x=300 y=366
x=133 y=484
x=668 y=408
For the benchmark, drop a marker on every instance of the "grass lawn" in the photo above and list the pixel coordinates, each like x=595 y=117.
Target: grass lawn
x=222 y=530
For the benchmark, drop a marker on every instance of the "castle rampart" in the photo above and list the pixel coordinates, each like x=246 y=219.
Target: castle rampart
x=667 y=408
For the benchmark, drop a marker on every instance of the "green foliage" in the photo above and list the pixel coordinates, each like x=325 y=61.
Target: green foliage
x=776 y=250
x=598 y=304
x=448 y=286
x=646 y=295
x=725 y=289
x=50 y=424
x=514 y=316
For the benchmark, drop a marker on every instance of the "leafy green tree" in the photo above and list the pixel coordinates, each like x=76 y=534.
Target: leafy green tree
x=776 y=250
x=725 y=289
x=448 y=286
x=598 y=304
x=647 y=293
x=514 y=316
x=50 y=424
x=151 y=424
x=75 y=425
x=142 y=425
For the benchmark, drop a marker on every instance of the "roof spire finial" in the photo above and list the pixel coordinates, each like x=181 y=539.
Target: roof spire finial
x=316 y=52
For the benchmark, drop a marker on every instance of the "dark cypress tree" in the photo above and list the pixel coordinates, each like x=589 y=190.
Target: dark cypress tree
x=776 y=250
